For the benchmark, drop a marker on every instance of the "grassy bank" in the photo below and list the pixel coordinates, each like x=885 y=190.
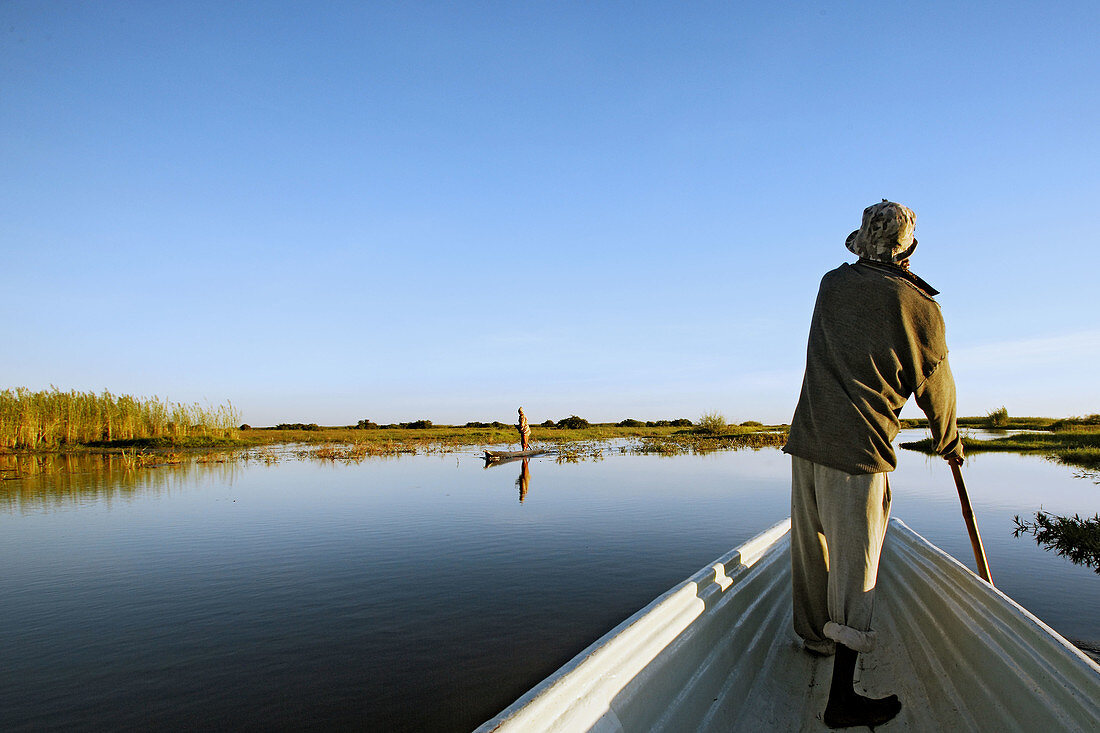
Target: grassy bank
x=461 y=435
x=1068 y=442
x=55 y=421
x=389 y=440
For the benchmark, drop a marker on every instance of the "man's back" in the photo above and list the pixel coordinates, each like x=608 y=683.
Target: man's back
x=876 y=338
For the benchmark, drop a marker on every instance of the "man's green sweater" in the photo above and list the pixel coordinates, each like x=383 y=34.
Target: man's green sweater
x=877 y=337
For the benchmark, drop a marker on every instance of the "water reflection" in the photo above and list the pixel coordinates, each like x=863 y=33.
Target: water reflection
x=304 y=602
x=1075 y=538
x=38 y=482
x=523 y=482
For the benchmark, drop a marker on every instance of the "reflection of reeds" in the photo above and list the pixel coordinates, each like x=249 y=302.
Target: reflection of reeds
x=36 y=482
x=33 y=420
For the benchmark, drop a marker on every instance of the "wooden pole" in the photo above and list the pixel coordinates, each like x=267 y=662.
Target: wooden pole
x=971 y=525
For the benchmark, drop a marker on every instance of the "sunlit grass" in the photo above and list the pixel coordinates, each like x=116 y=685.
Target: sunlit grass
x=51 y=419
x=1076 y=445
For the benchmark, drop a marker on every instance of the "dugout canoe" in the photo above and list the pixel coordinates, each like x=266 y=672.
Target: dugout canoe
x=717 y=653
x=500 y=455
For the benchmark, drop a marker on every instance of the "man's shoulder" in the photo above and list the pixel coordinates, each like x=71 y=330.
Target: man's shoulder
x=868 y=278
x=895 y=278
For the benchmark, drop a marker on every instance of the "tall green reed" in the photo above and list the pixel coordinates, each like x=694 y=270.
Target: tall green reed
x=52 y=418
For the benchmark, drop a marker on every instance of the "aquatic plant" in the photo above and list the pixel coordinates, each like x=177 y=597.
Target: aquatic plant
x=1076 y=538
x=48 y=419
x=703 y=443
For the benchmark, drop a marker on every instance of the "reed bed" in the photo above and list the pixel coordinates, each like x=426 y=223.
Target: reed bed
x=50 y=419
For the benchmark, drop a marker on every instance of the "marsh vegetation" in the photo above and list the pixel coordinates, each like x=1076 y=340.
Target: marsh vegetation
x=54 y=419
x=1071 y=441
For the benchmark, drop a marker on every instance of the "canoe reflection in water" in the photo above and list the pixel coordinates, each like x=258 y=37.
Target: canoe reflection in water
x=523 y=482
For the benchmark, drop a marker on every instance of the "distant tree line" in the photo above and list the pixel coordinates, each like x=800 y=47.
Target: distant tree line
x=682 y=422
x=573 y=422
x=414 y=425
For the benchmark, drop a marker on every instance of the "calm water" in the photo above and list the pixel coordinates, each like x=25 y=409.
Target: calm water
x=416 y=593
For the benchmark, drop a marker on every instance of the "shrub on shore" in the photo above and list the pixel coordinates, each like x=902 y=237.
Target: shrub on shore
x=573 y=423
x=711 y=422
x=997 y=418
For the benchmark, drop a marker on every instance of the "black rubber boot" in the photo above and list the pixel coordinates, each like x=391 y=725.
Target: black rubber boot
x=846 y=707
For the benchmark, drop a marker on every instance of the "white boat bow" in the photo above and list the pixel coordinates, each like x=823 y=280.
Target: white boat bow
x=718 y=653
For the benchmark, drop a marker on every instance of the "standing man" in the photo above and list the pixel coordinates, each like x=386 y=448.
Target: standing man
x=876 y=338
x=524 y=429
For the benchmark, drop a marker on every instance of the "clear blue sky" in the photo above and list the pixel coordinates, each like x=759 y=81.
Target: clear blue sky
x=333 y=211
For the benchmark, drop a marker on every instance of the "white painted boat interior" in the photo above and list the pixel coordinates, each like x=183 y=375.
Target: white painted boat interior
x=717 y=653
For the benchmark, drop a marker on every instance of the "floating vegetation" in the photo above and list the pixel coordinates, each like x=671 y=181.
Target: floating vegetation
x=581 y=451
x=1075 y=538
x=356 y=452
x=134 y=459
x=49 y=419
x=683 y=444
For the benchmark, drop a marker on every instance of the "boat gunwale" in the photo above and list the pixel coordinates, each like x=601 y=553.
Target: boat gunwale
x=748 y=554
x=570 y=695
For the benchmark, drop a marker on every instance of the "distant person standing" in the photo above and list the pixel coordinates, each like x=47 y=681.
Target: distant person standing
x=524 y=429
x=876 y=338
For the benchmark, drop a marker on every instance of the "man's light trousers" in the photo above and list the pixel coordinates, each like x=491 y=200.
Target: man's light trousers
x=838 y=523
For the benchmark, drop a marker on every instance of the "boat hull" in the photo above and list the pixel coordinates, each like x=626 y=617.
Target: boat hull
x=718 y=652
x=496 y=455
